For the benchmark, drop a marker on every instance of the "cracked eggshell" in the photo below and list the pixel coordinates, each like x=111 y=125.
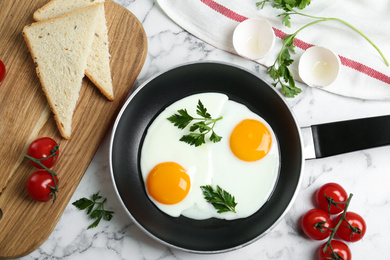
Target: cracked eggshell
x=253 y=38
x=319 y=66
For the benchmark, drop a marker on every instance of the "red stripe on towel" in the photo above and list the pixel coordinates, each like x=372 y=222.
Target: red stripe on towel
x=364 y=69
x=299 y=43
x=224 y=11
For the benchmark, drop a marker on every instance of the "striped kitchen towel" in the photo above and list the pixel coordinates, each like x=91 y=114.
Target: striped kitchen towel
x=364 y=73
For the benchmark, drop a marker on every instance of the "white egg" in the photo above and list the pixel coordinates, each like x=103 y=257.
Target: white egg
x=251 y=183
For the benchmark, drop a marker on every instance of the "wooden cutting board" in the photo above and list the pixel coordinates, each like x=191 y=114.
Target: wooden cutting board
x=24 y=116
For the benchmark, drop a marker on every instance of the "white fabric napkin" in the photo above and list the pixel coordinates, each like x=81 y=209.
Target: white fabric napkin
x=363 y=74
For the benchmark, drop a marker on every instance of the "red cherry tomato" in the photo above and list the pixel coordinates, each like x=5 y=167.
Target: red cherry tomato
x=44 y=147
x=354 y=231
x=2 y=71
x=39 y=186
x=316 y=224
x=340 y=251
x=330 y=193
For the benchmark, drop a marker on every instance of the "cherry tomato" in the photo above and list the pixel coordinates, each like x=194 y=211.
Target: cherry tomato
x=330 y=193
x=39 y=186
x=354 y=233
x=316 y=224
x=44 y=147
x=2 y=71
x=340 y=251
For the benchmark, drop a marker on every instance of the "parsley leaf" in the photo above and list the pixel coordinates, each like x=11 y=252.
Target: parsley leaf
x=198 y=130
x=284 y=4
x=98 y=213
x=196 y=139
x=219 y=198
x=182 y=119
x=215 y=138
x=286 y=21
x=202 y=111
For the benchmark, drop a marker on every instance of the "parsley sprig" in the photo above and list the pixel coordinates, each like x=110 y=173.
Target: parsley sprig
x=199 y=129
x=295 y=3
x=97 y=213
x=285 y=5
x=222 y=200
x=279 y=71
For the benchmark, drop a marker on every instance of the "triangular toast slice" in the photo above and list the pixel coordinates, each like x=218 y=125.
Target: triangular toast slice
x=98 y=64
x=60 y=48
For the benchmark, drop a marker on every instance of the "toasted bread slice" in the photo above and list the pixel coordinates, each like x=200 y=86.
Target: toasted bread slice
x=98 y=64
x=60 y=48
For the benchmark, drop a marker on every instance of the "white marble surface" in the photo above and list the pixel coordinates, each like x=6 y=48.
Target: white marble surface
x=366 y=173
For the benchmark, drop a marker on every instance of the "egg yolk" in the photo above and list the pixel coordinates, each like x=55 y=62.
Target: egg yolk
x=250 y=140
x=168 y=183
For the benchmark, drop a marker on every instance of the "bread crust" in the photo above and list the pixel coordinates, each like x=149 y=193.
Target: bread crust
x=106 y=89
x=60 y=126
x=49 y=100
x=104 y=92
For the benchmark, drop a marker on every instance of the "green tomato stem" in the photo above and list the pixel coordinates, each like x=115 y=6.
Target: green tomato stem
x=328 y=243
x=52 y=173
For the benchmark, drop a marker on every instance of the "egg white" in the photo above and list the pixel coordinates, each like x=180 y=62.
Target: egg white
x=161 y=144
x=251 y=183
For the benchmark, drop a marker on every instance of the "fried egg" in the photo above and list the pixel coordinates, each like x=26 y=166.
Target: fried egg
x=244 y=163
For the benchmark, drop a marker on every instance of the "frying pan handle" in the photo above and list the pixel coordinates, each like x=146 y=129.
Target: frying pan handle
x=346 y=136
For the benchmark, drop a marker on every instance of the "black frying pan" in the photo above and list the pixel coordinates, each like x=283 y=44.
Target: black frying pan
x=212 y=235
